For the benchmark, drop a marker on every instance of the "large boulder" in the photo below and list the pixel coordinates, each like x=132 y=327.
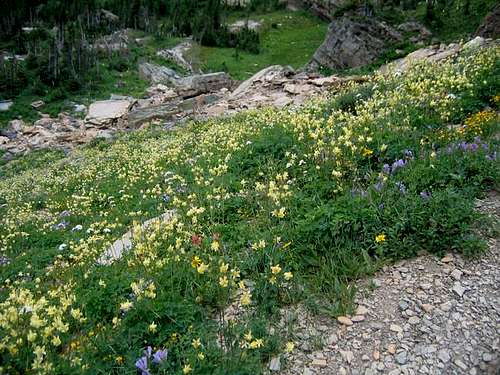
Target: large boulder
x=272 y=73
x=202 y=84
x=350 y=43
x=158 y=74
x=490 y=27
x=107 y=112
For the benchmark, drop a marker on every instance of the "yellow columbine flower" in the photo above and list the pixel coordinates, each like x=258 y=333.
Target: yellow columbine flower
x=187 y=369
x=223 y=281
x=223 y=267
x=288 y=276
x=289 y=347
x=379 y=238
x=56 y=341
x=152 y=327
x=248 y=336
x=275 y=269
x=196 y=343
x=367 y=152
x=201 y=356
x=195 y=262
x=255 y=344
x=215 y=246
x=119 y=360
x=246 y=298
x=126 y=306
x=202 y=268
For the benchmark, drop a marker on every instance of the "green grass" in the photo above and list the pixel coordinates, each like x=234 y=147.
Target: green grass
x=293 y=42
x=272 y=208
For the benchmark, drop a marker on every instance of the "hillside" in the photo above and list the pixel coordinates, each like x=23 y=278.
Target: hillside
x=255 y=214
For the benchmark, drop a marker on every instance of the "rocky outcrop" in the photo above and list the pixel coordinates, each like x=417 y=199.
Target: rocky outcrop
x=108 y=112
x=181 y=55
x=490 y=27
x=158 y=74
x=118 y=41
x=202 y=84
x=433 y=53
x=350 y=43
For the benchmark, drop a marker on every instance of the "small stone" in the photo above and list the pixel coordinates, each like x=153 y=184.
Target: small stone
x=446 y=306
x=365 y=358
x=403 y=305
x=319 y=362
x=487 y=357
x=458 y=289
x=332 y=339
x=414 y=320
x=426 y=286
x=444 y=355
x=347 y=355
x=361 y=310
x=275 y=364
x=376 y=355
x=342 y=371
x=427 y=307
x=391 y=348
x=447 y=259
x=377 y=283
x=307 y=372
x=344 y=320
x=456 y=274
x=401 y=357
x=460 y=364
x=396 y=328
x=358 y=318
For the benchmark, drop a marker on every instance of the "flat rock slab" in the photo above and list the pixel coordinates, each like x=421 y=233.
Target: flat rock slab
x=122 y=245
x=107 y=110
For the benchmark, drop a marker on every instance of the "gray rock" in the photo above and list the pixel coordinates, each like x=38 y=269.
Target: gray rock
x=350 y=43
x=401 y=357
x=444 y=355
x=5 y=105
x=275 y=364
x=458 y=289
x=105 y=112
x=158 y=74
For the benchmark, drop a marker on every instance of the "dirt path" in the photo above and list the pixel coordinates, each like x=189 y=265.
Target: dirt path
x=425 y=316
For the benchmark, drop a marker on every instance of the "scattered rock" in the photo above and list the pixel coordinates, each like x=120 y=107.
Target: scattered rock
x=245 y=24
x=344 y=320
x=158 y=74
x=358 y=318
x=456 y=274
x=5 y=105
x=401 y=358
x=182 y=55
x=275 y=364
x=37 y=104
x=319 y=362
x=396 y=328
x=361 y=310
x=458 y=289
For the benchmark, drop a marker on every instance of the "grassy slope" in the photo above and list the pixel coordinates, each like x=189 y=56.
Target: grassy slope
x=293 y=43
x=256 y=196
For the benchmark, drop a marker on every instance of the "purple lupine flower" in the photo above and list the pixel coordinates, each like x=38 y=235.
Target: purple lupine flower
x=492 y=157
x=400 y=163
x=425 y=195
x=378 y=186
x=142 y=365
x=148 y=352
x=386 y=168
x=485 y=146
x=409 y=154
x=381 y=206
x=159 y=356
x=473 y=147
x=401 y=187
